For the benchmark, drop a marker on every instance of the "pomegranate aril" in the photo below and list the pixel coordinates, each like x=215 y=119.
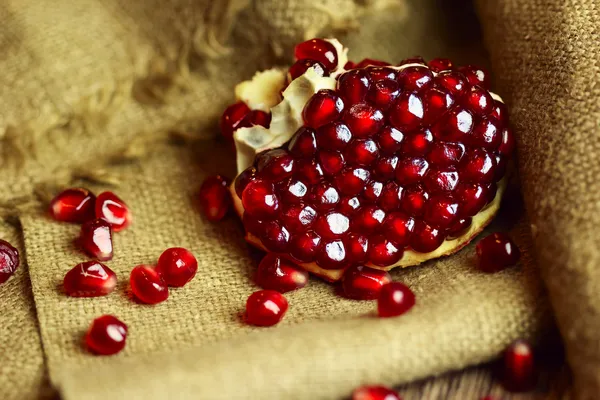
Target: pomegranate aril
x=478 y=166
x=260 y=200
x=370 y=61
x=357 y=247
x=89 y=279
x=425 y=238
x=293 y=191
x=472 y=198
x=519 y=372
x=334 y=136
x=324 y=197
x=251 y=224
x=301 y=66
x=441 y=180
x=372 y=192
x=487 y=134
x=352 y=181
x=276 y=273
x=304 y=246
x=390 y=140
x=215 y=198
x=452 y=81
x=275 y=237
x=361 y=152
x=398 y=227
x=255 y=117
x=354 y=86
x=395 y=299
x=459 y=228
x=368 y=219
x=332 y=255
x=308 y=171
x=322 y=108
x=231 y=118
x=407 y=112
x=415 y=78
x=106 y=335
x=177 y=266
x=383 y=252
x=446 y=153
x=476 y=76
x=497 y=252
x=381 y=73
x=113 y=210
x=455 y=126
x=304 y=143
x=243 y=179
x=96 y=239
x=364 y=120
x=500 y=112
x=385 y=167
x=440 y=64
x=349 y=205
x=298 y=217
x=319 y=50
x=391 y=196
x=374 y=393
x=364 y=283
x=383 y=93
x=437 y=101
x=507 y=142
x=479 y=101
x=265 y=308
x=411 y=170
x=9 y=260
x=413 y=201
x=418 y=143
x=147 y=285
x=275 y=165
x=331 y=162
x=332 y=225
x=441 y=211
x=73 y=205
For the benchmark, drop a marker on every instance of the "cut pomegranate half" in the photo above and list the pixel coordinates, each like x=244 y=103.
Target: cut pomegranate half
x=396 y=164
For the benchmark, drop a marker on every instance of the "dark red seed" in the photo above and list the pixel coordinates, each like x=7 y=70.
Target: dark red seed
x=441 y=211
x=301 y=66
x=425 y=238
x=324 y=107
x=369 y=219
x=265 y=308
x=332 y=225
x=364 y=283
x=231 y=118
x=214 y=195
x=452 y=81
x=417 y=143
x=319 y=50
x=357 y=246
x=440 y=64
x=308 y=171
x=332 y=162
x=349 y=65
x=472 y=198
x=113 y=210
x=507 y=143
x=496 y=252
x=364 y=120
x=9 y=260
x=106 y=335
x=352 y=181
x=361 y=152
x=298 y=217
x=354 y=86
x=380 y=73
x=275 y=237
x=370 y=61
x=294 y=191
x=349 y=205
x=398 y=227
x=89 y=279
x=374 y=393
x=411 y=170
x=383 y=93
x=446 y=154
x=385 y=167
x=441 y=180
x=334 y=136
x=415 y=78
x=304 y=246
x=332 y=255
x=96 y=239
x=476 y=76
x=177 y=266
x=413 y=201
x=73 y=205
x=372 y=192
x=437 y=102
x=519 y=372
x=390 y=140
x=500 y=112
x=243 y=180
x=255 y=117
x=260 y=200
x=456 y=125
x=148 y=285
x=487 y=134
x=395 y=299
x=275 y=165
x=459 y=228
x=324 y=197
x=391 y=196
x=479 y=101
x=407 y=112
x=304 y=143
x=383 y=252
x=251 y=224
x=276 y=273
x=478 y=166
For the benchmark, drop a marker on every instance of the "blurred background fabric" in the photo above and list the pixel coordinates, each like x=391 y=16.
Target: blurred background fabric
x=104 y=94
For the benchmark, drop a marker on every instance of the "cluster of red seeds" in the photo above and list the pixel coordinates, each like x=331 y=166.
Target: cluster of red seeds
x=390 y=160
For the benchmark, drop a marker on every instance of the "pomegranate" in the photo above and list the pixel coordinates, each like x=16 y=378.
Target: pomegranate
x=73 y=205
x=371 y=164
x=113 y=210
x=89 y=279
x=496 y=252
x=265 y=308
x=215 y=200
x=519 y=370
x=375 y=393
x=278 y=274
x=96 y=239
x=9 y=260
x=106 y=336
x=177 y=266
x=148 y=285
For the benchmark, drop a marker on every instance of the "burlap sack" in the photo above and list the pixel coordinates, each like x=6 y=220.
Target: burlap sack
x=93 y=96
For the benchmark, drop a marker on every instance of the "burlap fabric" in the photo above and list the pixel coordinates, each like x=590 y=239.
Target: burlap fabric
x=92 y=95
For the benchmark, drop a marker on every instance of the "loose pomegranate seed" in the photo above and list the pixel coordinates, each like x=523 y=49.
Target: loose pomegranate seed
x=407 y=112
x=476 y=75
x=334 y=136
x=496 y=252
x=319 y=50
x=96 y=239
x=214 y=197
x=374 y=393
x=259 y=199
x=425 y=238
x=298 y=217
x=357 y=246
x=106 y=335
x=368 y=219
x=177 y=266
x=304 y=246
x=243 y=179
x=332 y=162
x=275 y=236
x=383 y=93
x=384 y=252
x=275 y=273
x=395 y=299
x=351 y=181
x=89 y=279
x=411 y=170
x=370 y=61
x=148 y=285
x=113 y=210
x=519 y=370
x=364 y=283
x=361 y=152
x=440 y=64
x=265 y=308
x=255 y=117
x=73 y=205
x=231 y=119
x=304 y=143
x=301 y=66
x=324 y=197
x=452 y=81
x=332 y=225
x=415 y=78
x=275 y=165
x=390 y=140
x=398 y=227
x=354 y=86
x=332 y=255
x=9 y=260
x=324 y=107
x=391 y=196
x=364 y=120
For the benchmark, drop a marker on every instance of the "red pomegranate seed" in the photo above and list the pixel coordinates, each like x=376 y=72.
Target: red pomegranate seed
x=398 y=227
x=374 y=393
x=275 y=236
x=349 y=205
x=441 y=211
x=370 y=61
x=440 y=64
x=496 y=252
x=459 y=228
x=372 y=192
x=368 y=219
x=413 y=60
x=364 y=120
x=113 y=210
x=275 y=165
x=383 y=252
x=383 y=93
x=507 y=143
x=304 y=246
x=519 y=369
x=89 y=279
x=354 y=86
x=446 y=154
x=148 y=285
x=332 y=162
x=349 y=65
x=324 y=107
x=73 y=205
x=415 y=78
x=361 y=152
x=106 y=336
x=251 y=224
x=298 y=217
x=357 y=246
x=352 y=181
x=301 y=66
x=319 y=50
x=381 y=72
x=456 y=126
x=255 y=117
x=304 y=143
x=413 y=201
x=243 y=179
x=385 y=167
x=96 y=239
x=275 y=273
x=437 y=102
x=500 y=112
x=452 y=81
x=472 y=198
x=214 y=197
x=332 y=225
x=364 y=283
x=9 y=260
x=308 y=171
x=441 y=180
x=395 y=299
x=260 y=200
x=334 y=136
x=390 y=140
x=425 y=238
x=265 y=308
x=476 y=75
x=391 y=196
x=479 y=101
x=418 y=143
x=478 y=167
x=231 y=118
x=487 y=134
x=332 y=255
x=407 y=112
x=177 y=266
x=324 y=196
x=293 y=191
x=411 y=170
